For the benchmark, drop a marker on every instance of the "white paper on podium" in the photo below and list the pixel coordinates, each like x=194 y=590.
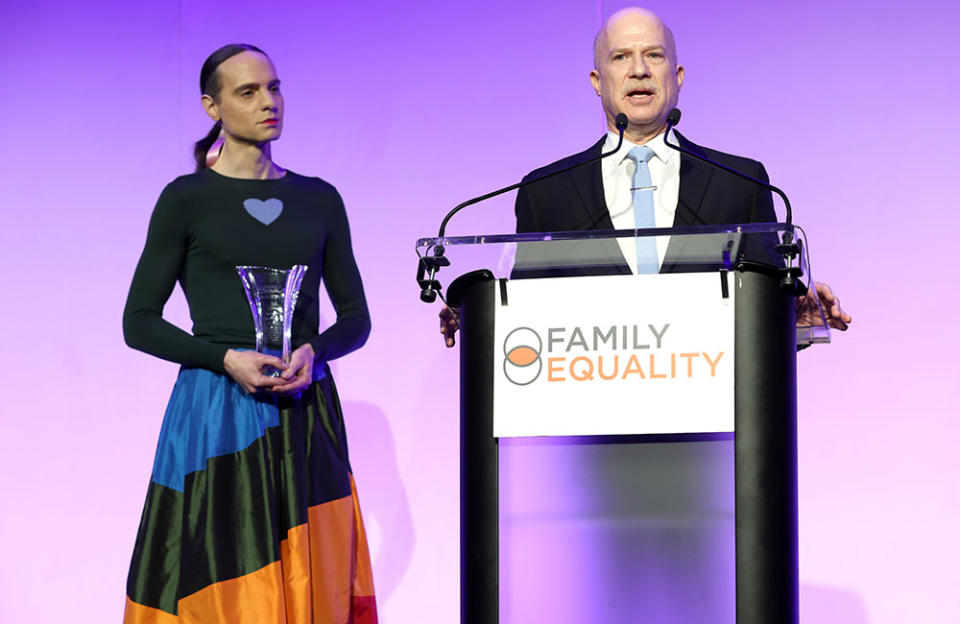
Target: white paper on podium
x=613 y=355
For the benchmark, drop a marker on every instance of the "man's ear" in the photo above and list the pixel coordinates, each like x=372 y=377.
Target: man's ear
x=210 y=106
x=595 y=80
x=680 y=74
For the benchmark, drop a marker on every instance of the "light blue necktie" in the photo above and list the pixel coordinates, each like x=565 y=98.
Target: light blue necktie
x=643 y=210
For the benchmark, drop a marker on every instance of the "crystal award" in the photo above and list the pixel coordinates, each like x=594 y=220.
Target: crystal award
x=272 y=294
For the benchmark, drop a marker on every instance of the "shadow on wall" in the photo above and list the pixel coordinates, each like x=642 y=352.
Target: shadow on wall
x=820 y=604
x=383 y=498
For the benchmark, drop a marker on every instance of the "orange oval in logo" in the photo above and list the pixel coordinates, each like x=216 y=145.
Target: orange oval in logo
x=522 y=356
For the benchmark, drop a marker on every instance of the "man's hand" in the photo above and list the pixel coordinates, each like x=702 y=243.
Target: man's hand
x=807 y=308
x=449 y=324
x=246 y=368
x=298 y=374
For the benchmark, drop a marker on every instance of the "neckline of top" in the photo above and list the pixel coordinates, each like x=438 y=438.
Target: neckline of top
x=286 y=175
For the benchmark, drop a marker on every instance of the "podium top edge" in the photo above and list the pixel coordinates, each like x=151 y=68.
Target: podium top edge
x=688 y=230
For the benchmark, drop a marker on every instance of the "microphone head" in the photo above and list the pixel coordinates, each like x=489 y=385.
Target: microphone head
x=673 y=118
x=621 y=121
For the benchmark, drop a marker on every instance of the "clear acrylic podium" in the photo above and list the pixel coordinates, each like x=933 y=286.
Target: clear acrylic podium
x=607 y=570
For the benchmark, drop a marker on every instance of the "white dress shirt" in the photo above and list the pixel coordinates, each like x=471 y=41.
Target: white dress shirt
x=617 y=171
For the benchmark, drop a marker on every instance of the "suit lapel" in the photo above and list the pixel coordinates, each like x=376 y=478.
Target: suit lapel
x=588 y=181
x=694 y=179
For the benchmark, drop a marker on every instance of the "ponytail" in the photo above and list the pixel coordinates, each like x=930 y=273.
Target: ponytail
x=202 y=147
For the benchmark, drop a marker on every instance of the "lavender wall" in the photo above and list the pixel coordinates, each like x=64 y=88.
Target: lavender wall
x=852 y=106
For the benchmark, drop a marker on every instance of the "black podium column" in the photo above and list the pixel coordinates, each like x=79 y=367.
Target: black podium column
x=766 y=451
x=479 y=503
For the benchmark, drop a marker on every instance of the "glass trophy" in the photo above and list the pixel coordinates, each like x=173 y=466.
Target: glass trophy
x=272 y=294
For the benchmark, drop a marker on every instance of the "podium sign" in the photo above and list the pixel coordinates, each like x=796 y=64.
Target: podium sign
x=610 y=355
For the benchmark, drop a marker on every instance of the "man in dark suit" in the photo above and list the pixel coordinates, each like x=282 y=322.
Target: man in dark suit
x=646 y=183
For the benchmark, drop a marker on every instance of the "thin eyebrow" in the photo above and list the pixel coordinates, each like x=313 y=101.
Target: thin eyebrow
x=254 y=85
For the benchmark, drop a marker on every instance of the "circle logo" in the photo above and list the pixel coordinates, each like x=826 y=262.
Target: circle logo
x=521 y=356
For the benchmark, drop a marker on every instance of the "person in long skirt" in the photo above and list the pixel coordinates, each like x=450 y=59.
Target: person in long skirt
x=251 y=513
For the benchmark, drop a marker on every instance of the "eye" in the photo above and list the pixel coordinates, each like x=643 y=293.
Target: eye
x=275 y=89
x=246 y=93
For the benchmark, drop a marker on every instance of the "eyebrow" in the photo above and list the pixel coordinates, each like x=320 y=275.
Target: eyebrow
x=256 y=85
x=647 y=48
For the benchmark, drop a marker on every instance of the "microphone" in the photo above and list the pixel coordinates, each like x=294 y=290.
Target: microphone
x=430 y=286
x=673 y=118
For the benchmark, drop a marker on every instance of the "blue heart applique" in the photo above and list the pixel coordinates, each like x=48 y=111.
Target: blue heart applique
x=264 y=211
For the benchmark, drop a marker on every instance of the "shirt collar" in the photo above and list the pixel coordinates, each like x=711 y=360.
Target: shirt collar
x=660 y=149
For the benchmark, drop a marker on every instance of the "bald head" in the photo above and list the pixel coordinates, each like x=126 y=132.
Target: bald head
x=631 y=15
x=636 y=72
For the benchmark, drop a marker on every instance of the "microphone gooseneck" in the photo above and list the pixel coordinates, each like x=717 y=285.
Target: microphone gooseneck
x=429 y=265
x=673 y=118
x=621 y=125
x=788 y=247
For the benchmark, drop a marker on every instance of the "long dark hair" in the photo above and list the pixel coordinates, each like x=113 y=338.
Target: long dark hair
x=211 y=84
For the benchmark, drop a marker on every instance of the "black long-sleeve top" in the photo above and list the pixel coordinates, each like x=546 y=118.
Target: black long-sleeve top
x=204 y=225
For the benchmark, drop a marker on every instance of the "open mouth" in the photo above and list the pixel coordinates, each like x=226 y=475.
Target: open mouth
x=640 y=93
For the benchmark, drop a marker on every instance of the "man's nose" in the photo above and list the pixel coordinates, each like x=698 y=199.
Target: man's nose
x=638 y=68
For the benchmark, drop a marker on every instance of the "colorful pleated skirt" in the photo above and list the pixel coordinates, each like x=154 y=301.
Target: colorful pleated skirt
x=251 y=514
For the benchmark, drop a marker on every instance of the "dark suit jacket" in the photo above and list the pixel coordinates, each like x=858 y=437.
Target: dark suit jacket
x=575 y=201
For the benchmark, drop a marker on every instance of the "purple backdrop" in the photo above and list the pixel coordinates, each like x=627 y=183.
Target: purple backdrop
x=852 y=107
